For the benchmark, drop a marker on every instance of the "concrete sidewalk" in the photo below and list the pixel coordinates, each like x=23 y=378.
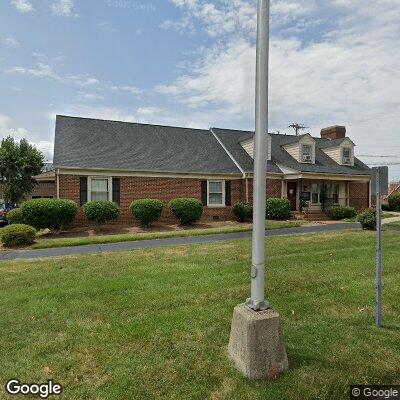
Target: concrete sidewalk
x=145 y=244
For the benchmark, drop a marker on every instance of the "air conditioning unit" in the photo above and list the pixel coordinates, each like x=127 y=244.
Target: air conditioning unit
x=346 y=160
x=307 y=158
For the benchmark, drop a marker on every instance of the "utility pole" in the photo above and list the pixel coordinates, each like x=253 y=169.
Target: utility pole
x=297 y=127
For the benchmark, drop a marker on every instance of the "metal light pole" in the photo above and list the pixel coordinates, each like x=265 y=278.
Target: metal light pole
x=256 y=344
x=378 y=312
x=257 y=301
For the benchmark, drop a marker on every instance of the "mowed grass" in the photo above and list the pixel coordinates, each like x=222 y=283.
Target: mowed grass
x=155 y=324
x=133 y=237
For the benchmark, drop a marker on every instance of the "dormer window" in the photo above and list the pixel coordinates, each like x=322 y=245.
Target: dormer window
x=306 y=153
x=346 y=155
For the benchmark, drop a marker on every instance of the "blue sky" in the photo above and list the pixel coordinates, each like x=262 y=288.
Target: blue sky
x=191 y=63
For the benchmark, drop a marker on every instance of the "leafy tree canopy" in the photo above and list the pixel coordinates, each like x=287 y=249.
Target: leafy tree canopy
x=19 y=162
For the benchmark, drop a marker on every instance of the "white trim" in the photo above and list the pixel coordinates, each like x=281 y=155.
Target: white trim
x=223 y=204
x=89 y=186
x=227 y=152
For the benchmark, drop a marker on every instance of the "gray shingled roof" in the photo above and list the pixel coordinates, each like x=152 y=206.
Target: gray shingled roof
x=323 y=164
x=92 y=143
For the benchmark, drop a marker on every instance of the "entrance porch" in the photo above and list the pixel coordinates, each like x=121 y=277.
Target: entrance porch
x=321 y=195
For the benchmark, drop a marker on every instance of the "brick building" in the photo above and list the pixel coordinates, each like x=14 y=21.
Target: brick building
x=120 y=161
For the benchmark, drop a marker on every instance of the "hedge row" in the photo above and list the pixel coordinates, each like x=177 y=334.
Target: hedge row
x=55 y=214
x=276 y=208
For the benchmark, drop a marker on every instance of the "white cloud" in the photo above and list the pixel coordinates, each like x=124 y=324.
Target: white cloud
x=7 y=130
x=43 y=70
x=349 y=73
x=22 y=5
x=91 y=96
x=12 y=42
x=46 y=147
x=130 y=89
x=63 y=8
x=146 y=111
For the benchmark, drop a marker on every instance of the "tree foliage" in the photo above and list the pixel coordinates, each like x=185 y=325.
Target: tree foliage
x=19 y=162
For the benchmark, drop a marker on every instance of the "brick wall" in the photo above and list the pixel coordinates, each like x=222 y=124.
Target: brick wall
x=274 y=188
x=359 y=195
x=44 y=189
x=164 y=189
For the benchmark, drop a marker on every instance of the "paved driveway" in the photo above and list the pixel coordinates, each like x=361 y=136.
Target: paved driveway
x=145 y=244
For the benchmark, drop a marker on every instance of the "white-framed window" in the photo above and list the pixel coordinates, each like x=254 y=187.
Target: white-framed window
x=306 y=153
x=346 y=155
x=99 y=189
x=216 y=193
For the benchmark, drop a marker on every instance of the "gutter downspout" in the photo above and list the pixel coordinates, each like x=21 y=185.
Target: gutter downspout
x=247 y=189
x=58 y=183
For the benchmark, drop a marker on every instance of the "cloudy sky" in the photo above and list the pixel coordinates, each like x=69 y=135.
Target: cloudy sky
x=191 y=63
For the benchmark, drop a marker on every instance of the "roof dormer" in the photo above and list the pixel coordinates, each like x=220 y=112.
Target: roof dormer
x=340 y=150
x=303 y=149
x=248 y=146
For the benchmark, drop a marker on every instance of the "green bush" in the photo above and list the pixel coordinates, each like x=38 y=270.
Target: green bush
x=343 y=212
x=278 y=209
x=304 y=205
x=18 y=235
x=386 y=207
x=147 y=210
x=394 y=202
x=188 y=211
x=368 y=219
x=100 y=212
x=243 y=211
x=15 y=216
x=52 y=214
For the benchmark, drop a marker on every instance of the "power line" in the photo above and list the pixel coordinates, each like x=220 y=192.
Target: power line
x=371 y=156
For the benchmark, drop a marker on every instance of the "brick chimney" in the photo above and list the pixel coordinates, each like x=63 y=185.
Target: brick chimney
x=334 y=132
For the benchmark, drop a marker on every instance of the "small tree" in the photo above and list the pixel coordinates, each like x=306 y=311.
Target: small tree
x=19 y=162
x=100 y=212
x=394 y=202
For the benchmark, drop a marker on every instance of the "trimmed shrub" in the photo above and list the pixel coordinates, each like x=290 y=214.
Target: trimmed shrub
x=188 y=211
x=278 y=209
x=386 y=207
x=100 y=212
x=243 y=211
x=368 y=219
x=52 y=214
x=394 y=202
x=18 y=235
x=15 y=216
x=147 y=210
x=343 y=212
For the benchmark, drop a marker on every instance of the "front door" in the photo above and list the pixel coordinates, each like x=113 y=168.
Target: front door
x=292 y=194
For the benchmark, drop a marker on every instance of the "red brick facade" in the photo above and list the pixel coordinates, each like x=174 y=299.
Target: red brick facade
x=165 y=189
x=359 y=195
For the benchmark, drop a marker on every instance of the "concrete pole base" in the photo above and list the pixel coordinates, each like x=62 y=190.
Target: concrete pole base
x=256 y=344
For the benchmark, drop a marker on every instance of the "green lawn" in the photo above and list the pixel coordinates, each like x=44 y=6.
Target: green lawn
x=155 y=324
x=130 y=237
